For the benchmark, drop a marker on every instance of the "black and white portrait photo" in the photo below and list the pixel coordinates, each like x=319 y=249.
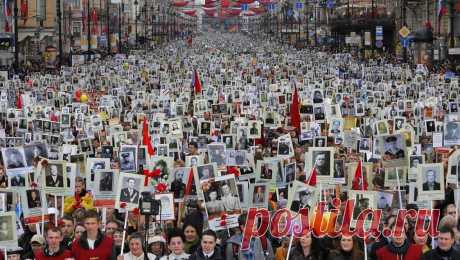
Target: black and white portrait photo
x=363 y=144
x=289 y=172
x=236 y=157
x=431 y=180
x=430 y=126
x=206 y=171
x=13 y=158
x=129 y=189
x=322 y=160
x=228 y=140
x=33 y=199
x=452 y=133
x=304 y=197
x=216 y=153
x=8 y=229
x=106 y=181
x=178 y=182
x=384 y=199
x=17 y=179
x=393 y=148
x=222 y=197
x=54 y=175
x=259 y=195
x=127 y=161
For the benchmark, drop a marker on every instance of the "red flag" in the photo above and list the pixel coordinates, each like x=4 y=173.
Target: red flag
x=295 y=113
x=146 y=138
x=359 y=182
x=94 y=21
x=312 y=179
x=197 y=83
x=24 y=10
x=188 y=187
x=19 y=102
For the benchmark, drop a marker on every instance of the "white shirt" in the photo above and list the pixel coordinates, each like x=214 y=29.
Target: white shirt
x=173 y=256
x=208 y=255
x=91 y=243
x=130 y=256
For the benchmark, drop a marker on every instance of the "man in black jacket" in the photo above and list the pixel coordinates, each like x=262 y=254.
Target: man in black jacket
x=446 y=240
x=208 y=249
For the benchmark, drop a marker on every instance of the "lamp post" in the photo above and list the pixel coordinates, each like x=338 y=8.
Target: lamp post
x=135 y=25
x=16 y=36
x=120 y=7
x=59 y=14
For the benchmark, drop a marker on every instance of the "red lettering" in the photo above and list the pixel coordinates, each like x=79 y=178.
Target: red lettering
x=249 y=231
x=276 y=221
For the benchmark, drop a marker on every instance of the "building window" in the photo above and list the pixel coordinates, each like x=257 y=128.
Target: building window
x=75 y=4
x=76 y=28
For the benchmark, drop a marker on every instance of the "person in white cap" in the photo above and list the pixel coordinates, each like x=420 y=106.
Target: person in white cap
x=157 y=246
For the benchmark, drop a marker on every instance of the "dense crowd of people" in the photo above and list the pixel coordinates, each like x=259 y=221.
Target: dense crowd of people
x=215 y=126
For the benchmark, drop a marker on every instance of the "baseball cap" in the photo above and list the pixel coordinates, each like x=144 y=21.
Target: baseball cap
x=37 y=239
x=157 y=239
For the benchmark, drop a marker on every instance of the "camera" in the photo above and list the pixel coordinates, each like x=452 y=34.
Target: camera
x=148 y=205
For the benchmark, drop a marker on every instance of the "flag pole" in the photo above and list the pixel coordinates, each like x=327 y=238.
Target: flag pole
x=399 y=188
x=360 y=164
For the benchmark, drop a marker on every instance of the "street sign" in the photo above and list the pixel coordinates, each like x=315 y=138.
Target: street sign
x=379 y=33
x=244 y=7
x=289 y=12
x=298 y=5
x=404 y=32
x=379 y=44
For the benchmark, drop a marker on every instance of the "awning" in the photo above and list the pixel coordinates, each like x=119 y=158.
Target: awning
x=23 y=35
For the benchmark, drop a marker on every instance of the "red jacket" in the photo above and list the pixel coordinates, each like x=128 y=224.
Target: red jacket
x=103 y=248
x=414 y=252
x=62 y=256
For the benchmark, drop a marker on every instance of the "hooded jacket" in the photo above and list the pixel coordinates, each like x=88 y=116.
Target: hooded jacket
x=103 y=248
x=256 y=251
x=406 y=252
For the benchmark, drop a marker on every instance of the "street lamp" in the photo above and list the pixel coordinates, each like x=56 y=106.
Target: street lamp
x=135 y=25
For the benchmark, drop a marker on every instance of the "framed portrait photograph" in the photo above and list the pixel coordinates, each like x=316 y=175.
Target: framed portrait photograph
x=255 y=129
x=229 y=141
x=393 y=148
x=194 y=160
x=216 y=153
x=85 y=146
x=364 y=145
x=384 y=199
x=430 y=183
x=166 y=206
x=336 y=127
x=14 y=159
x=95 y=164
x=322 y=158
x=258 y=195
x=54 y=176
x=221 y=196
x=8 y=235
x=180 y=182
x=285 y=147
x=10 y=198
x=398 y=123
x=237 y=157
x=266 y=170
x=33 y=204
x=129 y=190
x=451 y=133
x=382 y=127
x=205 y=172
x=363 y=200
x=104 y=188
x=392 y=175
x=205 y=128
x=302 y=196
x=18 y=180
x=243 y=193
x=128 y=161
x=414 y=162
x=320 y=141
